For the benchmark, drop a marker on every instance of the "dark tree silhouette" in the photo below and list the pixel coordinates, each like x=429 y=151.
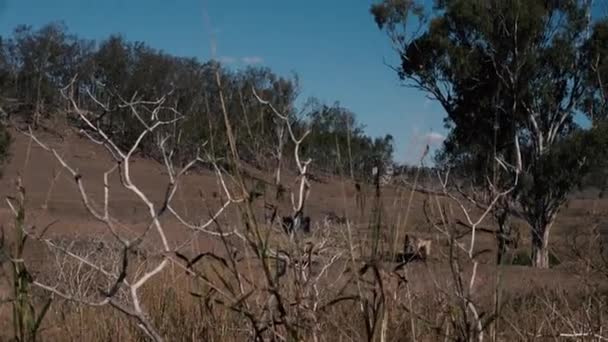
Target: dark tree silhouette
x=36 y=63
x=508 y=74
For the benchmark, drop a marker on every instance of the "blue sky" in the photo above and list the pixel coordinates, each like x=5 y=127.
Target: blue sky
x=334 y=46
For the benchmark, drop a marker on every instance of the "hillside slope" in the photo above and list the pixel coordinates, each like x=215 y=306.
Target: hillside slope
x=52 y=193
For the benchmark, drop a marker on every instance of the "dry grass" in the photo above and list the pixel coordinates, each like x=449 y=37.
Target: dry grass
x=535 y=305
x=535 y=310
x=332 y=287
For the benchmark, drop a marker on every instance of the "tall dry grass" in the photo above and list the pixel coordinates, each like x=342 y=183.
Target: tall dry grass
x=342 y=282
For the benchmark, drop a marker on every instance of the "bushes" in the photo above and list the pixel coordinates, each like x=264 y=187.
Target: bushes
x=522 y=258
x=35 y=64
x=5 y=142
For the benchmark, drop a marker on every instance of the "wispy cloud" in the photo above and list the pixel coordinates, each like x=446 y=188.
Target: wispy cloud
x=228 y=60
x=434 y=138
x=252 y=60
x=247 y=60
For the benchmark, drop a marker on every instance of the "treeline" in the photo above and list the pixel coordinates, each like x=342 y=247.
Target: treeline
x=36 y=64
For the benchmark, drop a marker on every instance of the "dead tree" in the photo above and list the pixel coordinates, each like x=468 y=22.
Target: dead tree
x=123 y=292
x=472 y=325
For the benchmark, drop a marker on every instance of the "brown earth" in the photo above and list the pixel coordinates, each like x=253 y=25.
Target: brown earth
x=52 y=196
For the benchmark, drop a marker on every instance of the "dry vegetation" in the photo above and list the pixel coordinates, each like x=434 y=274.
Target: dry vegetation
x=121 y=225
x=124 y=248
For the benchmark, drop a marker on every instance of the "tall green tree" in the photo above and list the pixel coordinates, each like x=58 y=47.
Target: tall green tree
x=511 y=76
x=5 y=143
x=5 y=137
x=595 y=104
x=335 y=129
x=41 y=58
x=36 y=63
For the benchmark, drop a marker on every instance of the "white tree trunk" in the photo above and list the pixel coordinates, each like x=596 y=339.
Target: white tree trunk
x=540 y=244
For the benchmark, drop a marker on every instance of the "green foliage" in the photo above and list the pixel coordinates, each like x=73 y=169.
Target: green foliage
x=335 y=129
x=35 y=64
x=507 y=70
x=27 y=315
x=595 y=104
x=459 y=60
x=38 y=61
x=5 y=142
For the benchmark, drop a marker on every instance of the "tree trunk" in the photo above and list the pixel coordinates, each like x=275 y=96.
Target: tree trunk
x=502 y=236
x=281 y=143
x=38 y=100
x=540 y=244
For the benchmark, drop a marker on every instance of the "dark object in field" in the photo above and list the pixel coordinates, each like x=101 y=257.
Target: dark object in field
x=270 y=213
x=297 y=223
x=316 y=178
x=332 y=218
x=415 y=248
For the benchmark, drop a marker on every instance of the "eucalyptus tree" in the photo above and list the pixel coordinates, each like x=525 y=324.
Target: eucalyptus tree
x=511 y=77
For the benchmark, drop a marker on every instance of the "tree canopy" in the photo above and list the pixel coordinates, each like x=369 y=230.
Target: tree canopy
x=35 y=64
x=513 y=77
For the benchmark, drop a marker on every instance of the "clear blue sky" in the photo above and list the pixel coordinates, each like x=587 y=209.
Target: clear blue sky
x=333 y=45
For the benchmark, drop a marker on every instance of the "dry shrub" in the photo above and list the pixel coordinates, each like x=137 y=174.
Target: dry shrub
x=253 y=282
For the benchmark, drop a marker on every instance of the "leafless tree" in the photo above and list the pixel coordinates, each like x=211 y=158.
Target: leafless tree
x=276 y=273
x=471 y=324
x=121 y=277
